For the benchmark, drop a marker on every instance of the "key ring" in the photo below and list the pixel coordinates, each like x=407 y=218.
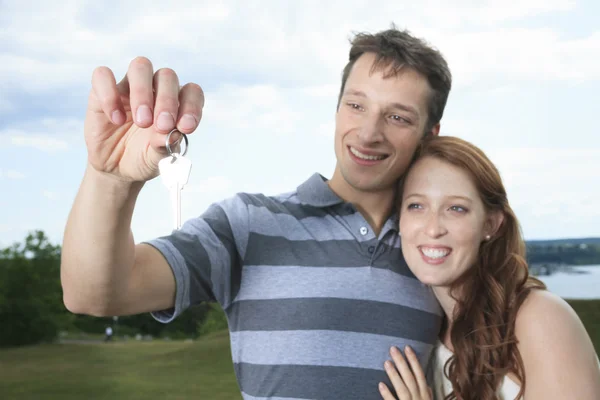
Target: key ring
x=185 y=139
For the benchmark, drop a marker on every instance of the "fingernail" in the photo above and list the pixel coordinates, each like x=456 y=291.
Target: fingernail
x=117 y=117
x=394 y=349
x=381 y=386
x=187 y=122
x=143 y=115
x=165 y=121
x=388 y=364
x=408 y=349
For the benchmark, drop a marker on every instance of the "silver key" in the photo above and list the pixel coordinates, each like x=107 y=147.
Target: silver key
x=175 y=172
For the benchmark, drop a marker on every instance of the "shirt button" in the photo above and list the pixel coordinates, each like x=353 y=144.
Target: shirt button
x=364 y=231
x=371 y=249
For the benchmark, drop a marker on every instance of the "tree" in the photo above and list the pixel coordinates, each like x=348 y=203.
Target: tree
x=31 y=308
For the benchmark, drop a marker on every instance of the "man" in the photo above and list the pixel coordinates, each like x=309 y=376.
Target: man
x=313 y=282
x=108 y=332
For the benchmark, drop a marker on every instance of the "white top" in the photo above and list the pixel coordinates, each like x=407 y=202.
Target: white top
x=442 y=387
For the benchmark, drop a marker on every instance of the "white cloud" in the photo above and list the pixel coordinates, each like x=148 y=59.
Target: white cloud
x=559 y=184
x=48 y=135
x=214 y=184
x=488 y=12
x=257 y=107
x=326 y=129
x=271 y=76
x=6 y=106
x=11 y=174
x=520 y=53
x=267 y=108
x=50 y=195
x=39 y=142
x=301 y=42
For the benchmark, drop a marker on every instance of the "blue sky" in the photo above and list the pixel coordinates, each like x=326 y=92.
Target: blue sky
x=526 y=83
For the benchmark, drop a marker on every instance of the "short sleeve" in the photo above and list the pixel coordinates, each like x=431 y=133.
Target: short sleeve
x=205 y=256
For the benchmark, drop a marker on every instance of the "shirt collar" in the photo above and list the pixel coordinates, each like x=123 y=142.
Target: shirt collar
x=316 y=192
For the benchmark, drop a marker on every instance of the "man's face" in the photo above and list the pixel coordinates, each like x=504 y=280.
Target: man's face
x=379 y=124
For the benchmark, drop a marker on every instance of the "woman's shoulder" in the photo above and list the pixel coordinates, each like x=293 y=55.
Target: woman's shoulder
x=542 y=310
x=550 y=334
x=552 y=341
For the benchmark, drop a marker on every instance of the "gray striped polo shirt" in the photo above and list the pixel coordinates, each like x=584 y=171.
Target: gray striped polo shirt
x=314 y=299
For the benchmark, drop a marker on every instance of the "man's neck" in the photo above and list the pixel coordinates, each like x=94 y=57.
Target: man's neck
x=375 y=206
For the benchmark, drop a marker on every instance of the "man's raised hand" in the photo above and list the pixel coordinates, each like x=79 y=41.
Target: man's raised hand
x=126 y=124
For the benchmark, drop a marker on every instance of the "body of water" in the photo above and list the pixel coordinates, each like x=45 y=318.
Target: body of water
x=580 y=282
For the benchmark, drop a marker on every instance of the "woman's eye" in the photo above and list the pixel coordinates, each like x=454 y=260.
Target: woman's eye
x=459 y=209
x=413 y=206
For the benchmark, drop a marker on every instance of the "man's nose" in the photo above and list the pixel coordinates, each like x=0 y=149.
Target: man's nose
x=371 y=131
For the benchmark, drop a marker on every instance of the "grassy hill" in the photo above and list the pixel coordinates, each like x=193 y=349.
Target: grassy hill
x=165 y=370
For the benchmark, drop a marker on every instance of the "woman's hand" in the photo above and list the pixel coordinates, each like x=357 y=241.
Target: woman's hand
x=408 y=380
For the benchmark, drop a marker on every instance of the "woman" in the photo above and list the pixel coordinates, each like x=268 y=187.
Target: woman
x=504 y=336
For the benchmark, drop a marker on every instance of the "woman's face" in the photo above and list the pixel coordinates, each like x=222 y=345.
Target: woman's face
x=442 y=222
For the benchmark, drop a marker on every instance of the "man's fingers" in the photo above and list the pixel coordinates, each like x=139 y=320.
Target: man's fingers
x=123 y=86
x=141 y=96
x=191 y=103
x=166 y=106
x=105 y=96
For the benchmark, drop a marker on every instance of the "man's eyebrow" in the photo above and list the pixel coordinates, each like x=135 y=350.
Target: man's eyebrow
x=406 y=108
x=354 y=92
x=399 y=106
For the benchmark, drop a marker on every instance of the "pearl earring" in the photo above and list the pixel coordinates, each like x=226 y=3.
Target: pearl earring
x=488 y=237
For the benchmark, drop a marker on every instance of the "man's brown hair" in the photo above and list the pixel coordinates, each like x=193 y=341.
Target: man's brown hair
x=396 y=49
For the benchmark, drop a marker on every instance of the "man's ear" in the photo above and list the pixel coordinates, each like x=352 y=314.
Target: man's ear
x=434 y=131
x=493 y=223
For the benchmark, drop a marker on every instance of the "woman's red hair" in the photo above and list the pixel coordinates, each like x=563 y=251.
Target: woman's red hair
x=490 y=293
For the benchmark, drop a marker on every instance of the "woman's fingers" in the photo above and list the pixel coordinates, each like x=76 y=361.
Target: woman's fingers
x=401 y=390
x=418 y=373
x=405 y=372
x=385 y=392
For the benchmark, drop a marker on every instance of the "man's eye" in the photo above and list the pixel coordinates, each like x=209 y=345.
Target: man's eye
x=399 y=118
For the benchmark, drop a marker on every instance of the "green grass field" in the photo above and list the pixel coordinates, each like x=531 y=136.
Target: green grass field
x=146 y=370
x=131 y=370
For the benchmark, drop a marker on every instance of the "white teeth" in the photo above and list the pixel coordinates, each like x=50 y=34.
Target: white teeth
x=364 y=156
x=435 y=253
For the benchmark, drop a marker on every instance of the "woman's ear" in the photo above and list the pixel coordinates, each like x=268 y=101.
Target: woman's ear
x=492 y=224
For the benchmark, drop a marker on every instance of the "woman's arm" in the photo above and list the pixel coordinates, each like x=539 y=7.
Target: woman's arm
x=559 y=358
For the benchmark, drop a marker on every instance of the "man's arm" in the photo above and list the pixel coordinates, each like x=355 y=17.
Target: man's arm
x=103 y=271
